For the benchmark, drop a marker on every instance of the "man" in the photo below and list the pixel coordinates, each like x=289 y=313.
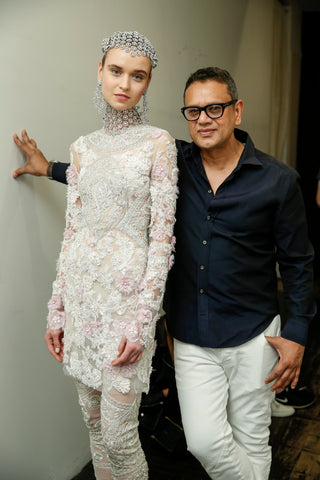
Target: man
x=239 y=212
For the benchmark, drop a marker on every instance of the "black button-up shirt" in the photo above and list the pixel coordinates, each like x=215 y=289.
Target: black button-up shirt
x=222 y=289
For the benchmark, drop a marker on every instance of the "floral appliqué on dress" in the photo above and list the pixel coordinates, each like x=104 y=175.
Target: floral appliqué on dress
x=116 y=252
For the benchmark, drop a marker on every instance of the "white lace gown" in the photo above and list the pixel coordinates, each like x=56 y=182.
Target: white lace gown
x=116 y=252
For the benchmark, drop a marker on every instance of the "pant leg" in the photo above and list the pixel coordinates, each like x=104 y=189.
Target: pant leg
x=89 y=400
x=203 y=390
x=119 y=425
x=249 y=406
x=225 y=405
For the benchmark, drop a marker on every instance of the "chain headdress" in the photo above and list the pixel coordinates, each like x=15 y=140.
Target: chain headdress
x=132 y=42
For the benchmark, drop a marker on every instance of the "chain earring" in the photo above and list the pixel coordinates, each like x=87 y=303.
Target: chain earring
x=145 y=108
x=98 y=99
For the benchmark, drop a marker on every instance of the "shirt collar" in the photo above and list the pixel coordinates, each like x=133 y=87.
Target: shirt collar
x=191 y=152
x=248 y=155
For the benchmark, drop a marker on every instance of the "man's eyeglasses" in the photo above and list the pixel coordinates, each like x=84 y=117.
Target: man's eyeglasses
x=213 y=110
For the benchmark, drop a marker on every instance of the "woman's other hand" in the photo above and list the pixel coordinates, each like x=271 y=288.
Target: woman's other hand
x=128 y=352
x=53 y=339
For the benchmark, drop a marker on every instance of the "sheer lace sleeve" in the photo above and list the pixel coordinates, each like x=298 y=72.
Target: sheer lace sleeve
x=56 y=316
x=163 y=191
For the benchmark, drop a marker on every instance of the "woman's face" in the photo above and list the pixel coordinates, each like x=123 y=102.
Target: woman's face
x=124 y=78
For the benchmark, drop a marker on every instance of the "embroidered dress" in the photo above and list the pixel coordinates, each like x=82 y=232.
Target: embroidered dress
x=115 y=253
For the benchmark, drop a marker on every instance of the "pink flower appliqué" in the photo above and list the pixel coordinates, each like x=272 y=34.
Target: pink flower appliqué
x=124 y=284
x=132 y=332
x=57 y=319
x=112 y=371
x=169 y=214
x=90 y=328
x=159 y=235
x=144 y=316
x=156 y=133
x=128 y=371
x=68 y=233
x=55 y=303
x=160 y=170
x=72 y=175
x=121 y=325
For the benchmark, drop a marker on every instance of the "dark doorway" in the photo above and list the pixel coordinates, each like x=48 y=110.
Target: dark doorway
x=308 y=154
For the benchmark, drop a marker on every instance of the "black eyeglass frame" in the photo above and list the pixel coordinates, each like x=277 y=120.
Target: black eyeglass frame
x=204 y=109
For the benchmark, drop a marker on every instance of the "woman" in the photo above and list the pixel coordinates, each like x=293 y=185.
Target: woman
x=115 y=257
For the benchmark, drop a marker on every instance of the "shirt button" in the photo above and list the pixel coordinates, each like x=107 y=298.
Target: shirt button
x=204 y=242
x=208 y=217
x=201 y=290
x=202 y=267
x=209 y=191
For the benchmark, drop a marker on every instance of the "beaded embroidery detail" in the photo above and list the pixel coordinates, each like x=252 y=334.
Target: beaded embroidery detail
x=115 y=253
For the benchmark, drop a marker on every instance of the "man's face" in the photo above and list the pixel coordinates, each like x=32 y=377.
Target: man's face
x=206 y=132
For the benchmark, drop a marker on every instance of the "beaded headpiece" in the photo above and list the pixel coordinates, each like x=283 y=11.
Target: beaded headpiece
x=132 y=42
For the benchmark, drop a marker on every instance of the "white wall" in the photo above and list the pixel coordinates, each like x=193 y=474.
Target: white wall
x=49 y=51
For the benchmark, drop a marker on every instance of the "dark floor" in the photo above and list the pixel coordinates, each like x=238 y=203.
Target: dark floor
x=295 y=440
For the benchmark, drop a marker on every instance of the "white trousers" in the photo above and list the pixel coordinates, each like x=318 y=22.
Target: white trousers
x=226 y=405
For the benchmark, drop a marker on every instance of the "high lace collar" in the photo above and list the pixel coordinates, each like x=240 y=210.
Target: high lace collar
x=118 y=121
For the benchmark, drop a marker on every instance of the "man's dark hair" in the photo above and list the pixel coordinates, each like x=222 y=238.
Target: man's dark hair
x=213 y=73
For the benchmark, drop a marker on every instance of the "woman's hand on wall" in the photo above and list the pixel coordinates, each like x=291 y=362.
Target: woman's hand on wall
x=36 y=163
